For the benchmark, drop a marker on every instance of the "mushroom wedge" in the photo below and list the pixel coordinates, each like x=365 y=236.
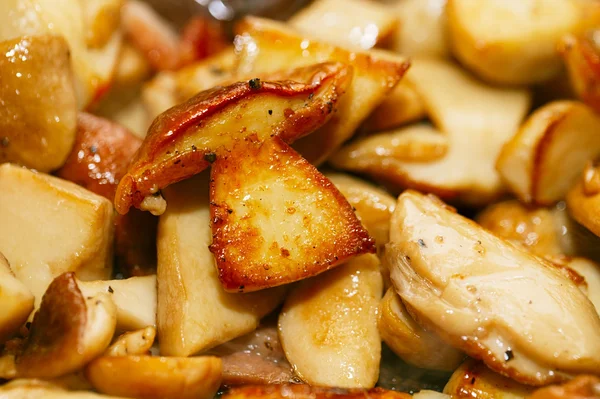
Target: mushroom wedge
x=544 y=159
x=495 y=301
x=276 y=219
x=67 y=331
x=187 y=138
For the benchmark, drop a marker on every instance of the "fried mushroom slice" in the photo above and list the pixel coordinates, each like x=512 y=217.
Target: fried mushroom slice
x=276 y=219
x=372 y=205
x=537 y=229
x=543 y=160
x=265 y=46
x=582 y=59
x=194 y=311
x=411 y=342
x=328 y=326
x=136 y=342
x=590 y=271
x=187 y=138
x=67 y=332
x=149 y=377
x=475 y=380
x=134 y=298
x=509 y=42
x=515 y=311
x=350 y=23
x=300 y=391
x=50 y=226
x=476 y=124
x=580 y=387
x=39 y=109
x=16 y=302
x=26 y=388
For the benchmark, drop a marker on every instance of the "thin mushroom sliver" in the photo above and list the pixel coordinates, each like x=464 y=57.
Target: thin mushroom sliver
x=518 y=313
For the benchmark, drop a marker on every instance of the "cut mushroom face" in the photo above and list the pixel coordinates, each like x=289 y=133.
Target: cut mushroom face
x=411 y=342
x=328 y=326
x=475 y=380
x=495 y=301
x=134 y=298
x=136 y=342
x=276 y=219
x=373 y=205
x=194 y=312
x=351 y=24
x=38 y=117
x=298 y=391
x=543 y=160
x=189 y=137
x=67 y=332
x=149 y=377
x=476 y=124
x=511 y=42
x=76 y=233
x=16 y=302
x=266 y=46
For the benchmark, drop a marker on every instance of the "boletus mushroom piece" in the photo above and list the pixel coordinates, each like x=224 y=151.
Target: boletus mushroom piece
x=275 y=218
x=67 y=332
x=497 y=302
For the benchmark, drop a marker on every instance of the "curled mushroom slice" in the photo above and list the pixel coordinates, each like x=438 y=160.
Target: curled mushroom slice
x=16 y=302
x=67 y=331
x=497 y=302
x=475 y=380
x=265 y=46
x=328 y=326
x=277 y=219
x=477 y=122
x=543 y=160
x=187 y=138
x=411 y=342
x=372 y=205
x=582 y=59
x=300 y=391
x=136 y=342
x=134 y=298
x=149 y=377
x=580 y=387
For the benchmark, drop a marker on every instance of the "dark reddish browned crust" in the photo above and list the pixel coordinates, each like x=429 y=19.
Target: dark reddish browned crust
x=159 y=162
x=201 y=37
x=238 y=243
x=58 y=325
x=99 y=159
x=581 y=387
x=301 y=391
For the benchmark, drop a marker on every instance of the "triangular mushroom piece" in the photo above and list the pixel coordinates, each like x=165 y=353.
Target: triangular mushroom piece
x=277 y=219
x=187 y=138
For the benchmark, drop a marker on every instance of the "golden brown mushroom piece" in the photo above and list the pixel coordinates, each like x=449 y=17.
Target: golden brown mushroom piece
x=187 y=138
x=150 y=377
x=300 y=391
x=515 y=311
x=580 y=387
x=582 y=59
x=136 y=342
x=67 y=331
x=276 y=219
